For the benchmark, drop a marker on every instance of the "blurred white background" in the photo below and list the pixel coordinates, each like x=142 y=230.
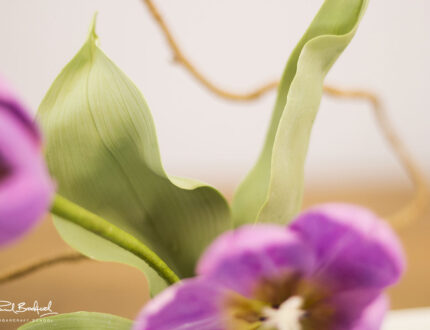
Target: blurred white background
x=240 y=44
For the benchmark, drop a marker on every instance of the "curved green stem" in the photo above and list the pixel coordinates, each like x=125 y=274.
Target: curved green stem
x=69 y=211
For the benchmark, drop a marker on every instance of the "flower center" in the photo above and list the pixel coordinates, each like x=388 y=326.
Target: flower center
x=286 y=317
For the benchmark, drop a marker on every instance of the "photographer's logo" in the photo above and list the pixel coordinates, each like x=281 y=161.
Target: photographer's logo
x=22 y=307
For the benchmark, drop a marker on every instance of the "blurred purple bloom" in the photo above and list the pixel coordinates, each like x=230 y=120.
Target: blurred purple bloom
x=326 y=271
x=25 y=187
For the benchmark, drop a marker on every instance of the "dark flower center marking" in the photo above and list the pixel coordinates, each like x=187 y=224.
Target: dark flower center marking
x=4 y=169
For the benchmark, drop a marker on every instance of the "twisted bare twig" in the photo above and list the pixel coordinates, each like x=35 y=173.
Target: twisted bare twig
x=182 y=59
x=420 y=201
x=34 y=266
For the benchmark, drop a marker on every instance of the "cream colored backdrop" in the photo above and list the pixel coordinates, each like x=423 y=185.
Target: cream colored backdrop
x=240 y=44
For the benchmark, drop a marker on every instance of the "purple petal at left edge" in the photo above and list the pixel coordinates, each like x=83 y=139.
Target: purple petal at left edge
x=25 y=186
x=9 y=101
x=193 y=304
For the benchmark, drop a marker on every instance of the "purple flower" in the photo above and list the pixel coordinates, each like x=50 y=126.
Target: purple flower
x=326 y=271
x=25 y=187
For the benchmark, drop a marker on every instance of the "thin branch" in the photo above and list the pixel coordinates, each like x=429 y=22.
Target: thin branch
x=34 y=266
x=197 y=74
x=420 y=201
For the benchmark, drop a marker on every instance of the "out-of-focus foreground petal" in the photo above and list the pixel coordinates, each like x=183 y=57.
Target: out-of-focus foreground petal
x=326 y=271
x=192 y=304
x=357 y=257
x=372 y=317
x=243 y=259
x=25 y=186
x=355 y=250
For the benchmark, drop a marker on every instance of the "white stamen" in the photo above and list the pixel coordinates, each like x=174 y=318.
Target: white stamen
x=287 y=316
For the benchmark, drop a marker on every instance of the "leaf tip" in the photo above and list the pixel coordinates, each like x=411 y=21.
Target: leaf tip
x=92 y=35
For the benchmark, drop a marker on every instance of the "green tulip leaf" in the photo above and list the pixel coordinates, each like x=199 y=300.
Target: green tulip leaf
x=102 y=150
x=79 y=321
x=273 y=189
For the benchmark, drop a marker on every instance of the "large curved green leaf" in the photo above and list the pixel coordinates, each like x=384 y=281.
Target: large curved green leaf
x=79 y=321
x=273 y=189
x=101 y=148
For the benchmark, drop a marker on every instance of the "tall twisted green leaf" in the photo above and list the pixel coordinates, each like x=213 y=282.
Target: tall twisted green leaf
x=273 y=189
x=102 y=150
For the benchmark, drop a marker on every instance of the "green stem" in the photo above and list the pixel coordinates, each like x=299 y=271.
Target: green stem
x=69 y=211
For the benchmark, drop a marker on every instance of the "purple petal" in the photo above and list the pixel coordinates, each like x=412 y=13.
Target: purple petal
x=373 y=315
x=192 y=305
x=10 y=103
x=358 y=309
x=354 y=248
x=243 y=258
x=25 y=186
x=24 y=199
